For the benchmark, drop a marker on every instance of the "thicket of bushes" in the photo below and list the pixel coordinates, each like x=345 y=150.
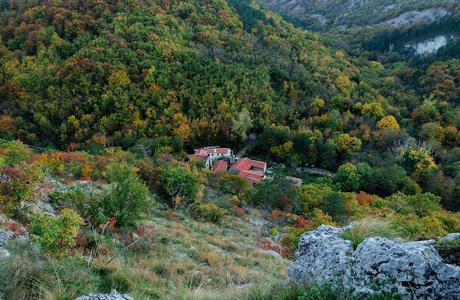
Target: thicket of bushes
x=133 y=182
x=409 y=216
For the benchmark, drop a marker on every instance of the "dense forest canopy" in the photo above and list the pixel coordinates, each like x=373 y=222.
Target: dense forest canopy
x=180 y=74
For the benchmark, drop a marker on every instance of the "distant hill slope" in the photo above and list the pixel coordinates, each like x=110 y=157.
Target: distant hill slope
x=329 y=14
x=173 y=71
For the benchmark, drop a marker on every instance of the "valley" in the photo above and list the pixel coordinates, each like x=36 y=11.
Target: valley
x=229 y=149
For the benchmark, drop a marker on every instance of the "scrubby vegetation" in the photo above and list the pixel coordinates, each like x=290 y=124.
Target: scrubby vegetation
x=112 y=218
x=449 y=250
x=207 y=74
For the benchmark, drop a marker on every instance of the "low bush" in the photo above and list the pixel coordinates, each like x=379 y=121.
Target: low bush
x=56 y=234
x=312 y=292
x=17 y=184
x=13 y=152
x=370 y=227
x=449 y=250
x=292 y=234
x=232 y=184
x=209 y=212
x=88 y=205
x=118 y=280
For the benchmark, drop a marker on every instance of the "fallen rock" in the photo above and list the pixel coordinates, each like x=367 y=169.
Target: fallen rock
x=5 y=236
x=4 y=254
x=273 y=253
x=30 y=208
x=414 y=270
x=114 y=295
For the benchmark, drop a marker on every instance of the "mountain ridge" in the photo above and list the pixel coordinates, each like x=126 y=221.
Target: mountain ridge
x=327 y=15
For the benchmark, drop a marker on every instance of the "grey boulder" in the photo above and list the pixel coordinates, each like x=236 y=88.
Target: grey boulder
x=5 y=236
x=413 y=270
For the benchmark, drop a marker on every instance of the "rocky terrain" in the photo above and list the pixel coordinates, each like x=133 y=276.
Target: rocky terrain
x=114 y=295
x=323 y=15
x=413 y=270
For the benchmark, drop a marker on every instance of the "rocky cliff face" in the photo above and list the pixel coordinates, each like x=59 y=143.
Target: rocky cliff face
x=328 y=14
x=414 y=270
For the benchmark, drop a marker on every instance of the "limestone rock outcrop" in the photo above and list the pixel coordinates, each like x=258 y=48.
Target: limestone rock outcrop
x=414 y=270
x=114 y=295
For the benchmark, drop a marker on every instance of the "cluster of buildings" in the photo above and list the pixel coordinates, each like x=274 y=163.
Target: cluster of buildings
x=222 y=160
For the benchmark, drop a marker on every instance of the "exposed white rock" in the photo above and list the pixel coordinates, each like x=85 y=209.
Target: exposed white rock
x=5 y=236
x=4 y=254
x=429 y=46
x=451 y=237
x=411 y=17
x=114 y=295
x=273 y=253
x=322 y=256
x=414 y=270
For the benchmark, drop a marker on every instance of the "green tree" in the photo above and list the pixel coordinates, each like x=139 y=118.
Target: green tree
x=232 y=184
x=313 y=195
x=418 y=162
x=385 y=181
x=178 y=182
x=241 y=125
x=128 y=197
x=279 y=193
x=334 y=206
x=348 y=178
x=346 y=144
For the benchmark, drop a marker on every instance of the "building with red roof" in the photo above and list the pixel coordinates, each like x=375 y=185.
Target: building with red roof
x=211 y=154
x=253 y=171
x=218 y=159
x=220 y=167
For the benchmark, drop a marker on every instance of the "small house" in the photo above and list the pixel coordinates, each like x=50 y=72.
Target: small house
x=253 y=171
x=295 y=181
x=220 y=166
x=209 y=155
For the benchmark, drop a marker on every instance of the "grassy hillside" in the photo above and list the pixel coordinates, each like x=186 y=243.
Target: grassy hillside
x=170 y=76
x=117 y=220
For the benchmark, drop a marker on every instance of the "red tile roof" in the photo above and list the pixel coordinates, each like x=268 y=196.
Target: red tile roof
x=196 y=157
x=251 y=170
x=257 y=176
x=248 y=164
x=217 y=150
x=206 y=151
x=220 y=166
x=201 y=153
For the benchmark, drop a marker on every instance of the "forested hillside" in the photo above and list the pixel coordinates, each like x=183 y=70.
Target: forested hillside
x=179 y=72
x=172 y=75
x=399 y=29
x=102 y=104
